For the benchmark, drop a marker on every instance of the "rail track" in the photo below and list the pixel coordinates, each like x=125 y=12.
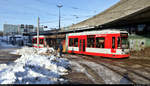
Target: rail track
x=5 y=56
x=137 y=75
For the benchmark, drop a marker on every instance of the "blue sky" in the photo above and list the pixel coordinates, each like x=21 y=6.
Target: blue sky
x=27 y=11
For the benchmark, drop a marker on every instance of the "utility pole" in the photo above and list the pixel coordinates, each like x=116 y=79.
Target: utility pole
x=75 y=20
x=38 y=24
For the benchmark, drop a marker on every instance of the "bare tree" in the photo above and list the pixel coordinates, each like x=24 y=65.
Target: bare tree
x=1 y=33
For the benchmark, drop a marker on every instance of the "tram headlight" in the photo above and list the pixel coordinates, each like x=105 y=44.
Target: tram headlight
x=125 y=51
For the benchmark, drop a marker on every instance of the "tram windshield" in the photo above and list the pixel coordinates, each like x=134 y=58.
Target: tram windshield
x=34 y=41
x=124 y=42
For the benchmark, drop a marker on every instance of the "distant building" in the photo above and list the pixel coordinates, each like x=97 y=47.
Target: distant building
x=10 y=29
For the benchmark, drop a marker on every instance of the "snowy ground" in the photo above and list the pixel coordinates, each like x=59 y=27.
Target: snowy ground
x=4 y=45
x=96 y=72
x=107 y=76
x=34 y=68
x=41 y=66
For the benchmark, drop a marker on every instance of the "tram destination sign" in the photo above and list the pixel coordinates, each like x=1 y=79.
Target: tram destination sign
x=90 y=36
x=100 y=35
x=124 y=34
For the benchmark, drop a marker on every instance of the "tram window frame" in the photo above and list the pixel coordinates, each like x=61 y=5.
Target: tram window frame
x=71 y=42
x=41 y=41
x=75 y=42
x=101 y=45
x=91 y=44
x=113 y=42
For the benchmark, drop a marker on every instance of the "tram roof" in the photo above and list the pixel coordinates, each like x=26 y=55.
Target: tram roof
x=108 y=31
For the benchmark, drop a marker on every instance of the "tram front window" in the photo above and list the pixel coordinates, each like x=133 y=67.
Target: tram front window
x=41 y=41
x=34 y=41
x=125 y=42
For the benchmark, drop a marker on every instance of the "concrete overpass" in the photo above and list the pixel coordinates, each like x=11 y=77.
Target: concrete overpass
x=123 y=13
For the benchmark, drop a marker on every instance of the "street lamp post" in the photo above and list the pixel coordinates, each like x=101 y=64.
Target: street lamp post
x=59 y=6
x=38 y=26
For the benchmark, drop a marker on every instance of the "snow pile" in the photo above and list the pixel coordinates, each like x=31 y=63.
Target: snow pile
x=26 y=51
x=33 y=68
x=33 y=50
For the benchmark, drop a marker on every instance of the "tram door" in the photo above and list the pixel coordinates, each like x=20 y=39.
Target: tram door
x=82 y=45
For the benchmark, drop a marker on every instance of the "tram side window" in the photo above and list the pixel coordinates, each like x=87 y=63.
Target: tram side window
x=41 y=41
x=119 y=43
x=100 y=42
x=71 y=42
x=90 y=42
x=76 y=42
x=48 y=42
x=113 y=42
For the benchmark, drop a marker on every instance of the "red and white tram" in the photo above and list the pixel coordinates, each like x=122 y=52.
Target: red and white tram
x=41 y=41
x=105 y=43
x=47 y=41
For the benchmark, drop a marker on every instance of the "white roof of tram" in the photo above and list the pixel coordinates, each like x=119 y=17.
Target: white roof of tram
x=39 y=36
x=98 y=32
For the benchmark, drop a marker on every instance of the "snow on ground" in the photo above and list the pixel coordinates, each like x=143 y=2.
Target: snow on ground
x=107 y=75
x=34 y=68
x=32 y=50
x=5 y=45
x=79 y=68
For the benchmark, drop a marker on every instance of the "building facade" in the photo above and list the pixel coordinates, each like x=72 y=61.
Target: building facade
x=10 y=29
